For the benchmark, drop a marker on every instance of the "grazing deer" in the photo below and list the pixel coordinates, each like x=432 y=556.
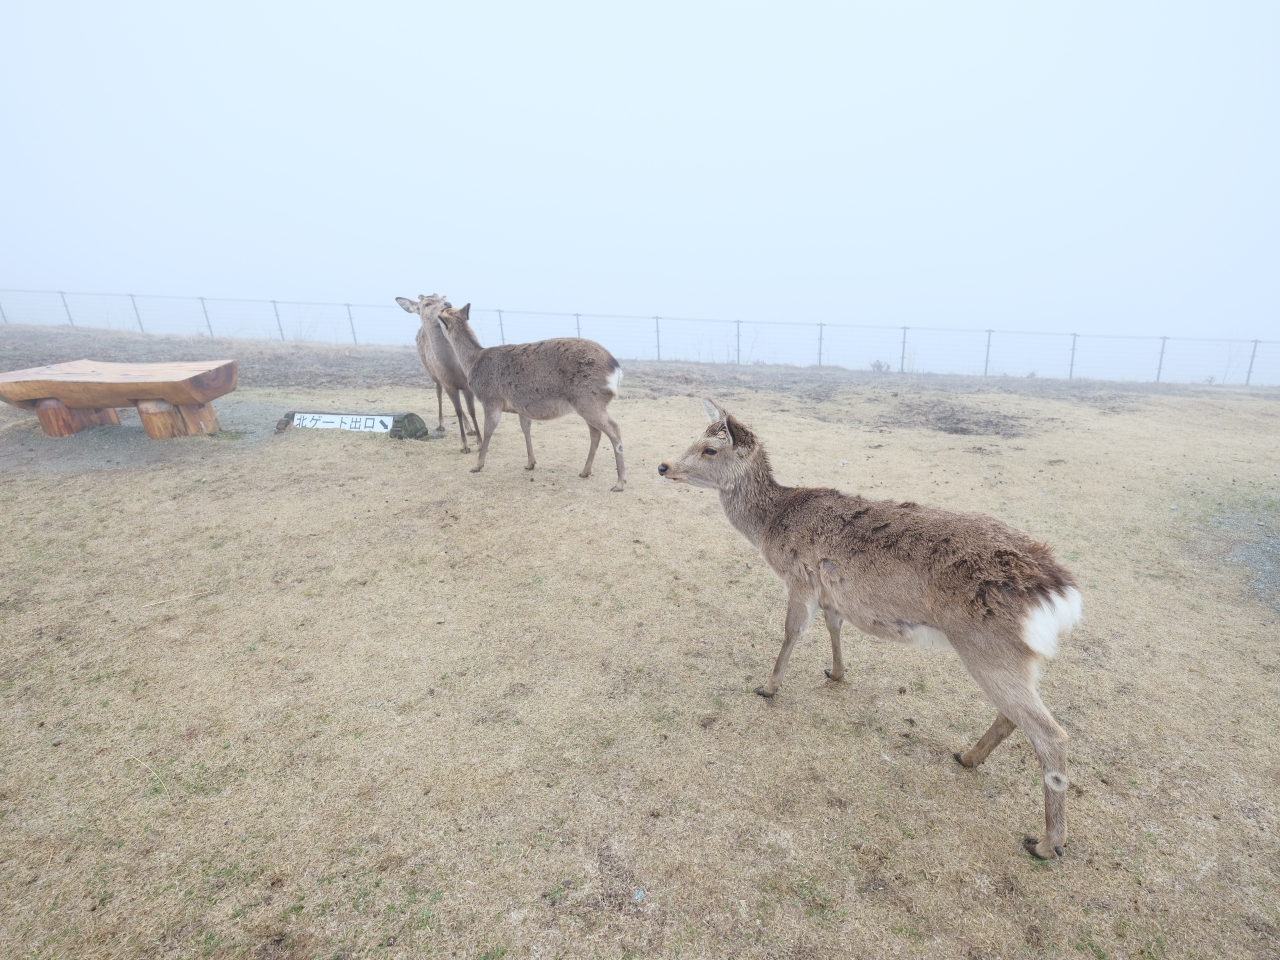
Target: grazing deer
x=441 y=363
x=909 y=573
x=539 y=381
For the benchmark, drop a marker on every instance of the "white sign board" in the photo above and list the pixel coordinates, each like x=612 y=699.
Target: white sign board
x=374 y=423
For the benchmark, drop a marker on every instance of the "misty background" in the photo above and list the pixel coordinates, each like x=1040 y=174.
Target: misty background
x=1091 y=168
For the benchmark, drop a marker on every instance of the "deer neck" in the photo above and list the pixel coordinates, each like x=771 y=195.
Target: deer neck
x=467 y=347
x=751 y=500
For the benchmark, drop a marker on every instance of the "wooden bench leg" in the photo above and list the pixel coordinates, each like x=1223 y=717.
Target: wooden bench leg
x=163 y=420
x=59 y=420
x=199 y=418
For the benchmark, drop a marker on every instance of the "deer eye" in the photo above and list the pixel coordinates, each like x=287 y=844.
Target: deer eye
x=709 y=452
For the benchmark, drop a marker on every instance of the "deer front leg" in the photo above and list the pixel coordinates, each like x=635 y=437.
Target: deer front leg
x=439 y=408
x=471 y=408
x=527 y=425
x=492 y=414
x=801 y=605
x=462 y=421
x=834 y=623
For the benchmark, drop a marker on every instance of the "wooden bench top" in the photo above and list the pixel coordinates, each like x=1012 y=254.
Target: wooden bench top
x=94 y=384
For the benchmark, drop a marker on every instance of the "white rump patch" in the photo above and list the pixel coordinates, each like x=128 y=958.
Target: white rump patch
x=1049 y=619
x=614 y=380
x=925 y=637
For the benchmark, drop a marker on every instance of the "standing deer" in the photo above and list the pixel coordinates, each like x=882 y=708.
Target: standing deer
x=441 y=363
x=904 y=572
x=539 y=381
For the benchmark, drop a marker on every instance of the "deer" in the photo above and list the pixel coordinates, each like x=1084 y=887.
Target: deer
x=539 y=381
x=909 y=573
x=441 y=363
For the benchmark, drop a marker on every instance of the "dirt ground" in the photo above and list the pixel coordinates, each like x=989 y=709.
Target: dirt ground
x=331 y=695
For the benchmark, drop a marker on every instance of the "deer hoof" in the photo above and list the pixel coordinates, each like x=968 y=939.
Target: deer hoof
x=1032 y=846
x=960 y=760
x=530 y=466
x=617 y=489
x=475 y=469
x=584 y=474
x=767 y=694
x=832 y=676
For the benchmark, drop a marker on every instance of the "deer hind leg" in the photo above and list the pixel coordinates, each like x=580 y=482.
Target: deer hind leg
x=801 y=606
x=526 y=425
x=471 y=408
x=492 y=416
x=1012 y=687
x=462 y=421
x=834 y=623
x=599 y=419
x=439 y=408
x=994 y=736
x=591 y=454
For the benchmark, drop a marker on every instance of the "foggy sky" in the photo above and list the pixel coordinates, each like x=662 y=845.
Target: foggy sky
x=1072 y=167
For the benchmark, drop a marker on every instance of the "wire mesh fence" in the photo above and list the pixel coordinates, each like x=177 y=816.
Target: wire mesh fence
x=992 y=353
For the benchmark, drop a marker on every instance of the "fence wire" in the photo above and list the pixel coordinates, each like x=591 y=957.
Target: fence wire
x=992 y=353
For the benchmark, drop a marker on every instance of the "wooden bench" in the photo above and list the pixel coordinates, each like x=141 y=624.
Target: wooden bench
x=173 y=399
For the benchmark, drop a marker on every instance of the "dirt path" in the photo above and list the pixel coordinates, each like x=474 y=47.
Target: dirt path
x=332 y=695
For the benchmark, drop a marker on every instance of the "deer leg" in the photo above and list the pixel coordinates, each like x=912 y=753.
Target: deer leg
x=1013 y=689
x=440 y=408
x=462 y=421
x=527 y=425
x=471 y=408
x=834 y=623
x=591 y=454
x=492 y=415
x=600 y=420
x=1000 y=729
x=801 y=607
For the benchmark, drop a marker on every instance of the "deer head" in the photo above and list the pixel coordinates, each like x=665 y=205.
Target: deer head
x=718 y=459
x=427 y=308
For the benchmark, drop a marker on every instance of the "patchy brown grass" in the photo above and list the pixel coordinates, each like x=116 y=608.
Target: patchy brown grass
x=269 y=745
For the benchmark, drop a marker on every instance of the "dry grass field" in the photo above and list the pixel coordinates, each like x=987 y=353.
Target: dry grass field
x=327 y=695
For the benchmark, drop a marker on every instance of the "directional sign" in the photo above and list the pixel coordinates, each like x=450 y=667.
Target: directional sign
x=363 y=423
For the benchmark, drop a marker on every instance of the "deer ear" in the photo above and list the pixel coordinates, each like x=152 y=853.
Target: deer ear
x=464 y=311
x=713 y=412
x=408 y=305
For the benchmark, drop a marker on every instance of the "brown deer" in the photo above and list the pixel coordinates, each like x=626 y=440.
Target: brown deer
x=904 y=572
x=441 y=363
x=539 y=381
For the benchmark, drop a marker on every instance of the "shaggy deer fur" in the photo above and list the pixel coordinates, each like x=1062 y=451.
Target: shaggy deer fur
x=539 y=381
x=442 y=363
x=905 y=572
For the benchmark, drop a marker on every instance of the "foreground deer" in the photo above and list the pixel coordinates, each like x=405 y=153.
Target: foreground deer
x=441 y=363
x=905 y=572
x=539 y=381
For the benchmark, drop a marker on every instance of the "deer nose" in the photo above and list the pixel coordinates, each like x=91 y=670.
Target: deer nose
x=662 y=469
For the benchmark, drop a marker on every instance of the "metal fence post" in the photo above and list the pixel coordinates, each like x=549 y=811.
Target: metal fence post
x=657 y=336
x=351 y=321
x=1071 y=370
x=986 y=364
x=136 y=314
x=502 y=334
x=1247 y=377
x=820 y=326
x=902 y=362
x=279 y=325
x=577 y=319
x=738 y=324
x=66 y=308
x=206 y=317
x=2 y=316
x=1160 y=366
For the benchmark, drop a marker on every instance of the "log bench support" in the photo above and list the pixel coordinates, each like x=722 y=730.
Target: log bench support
x=163 y=420
x=59 y=420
